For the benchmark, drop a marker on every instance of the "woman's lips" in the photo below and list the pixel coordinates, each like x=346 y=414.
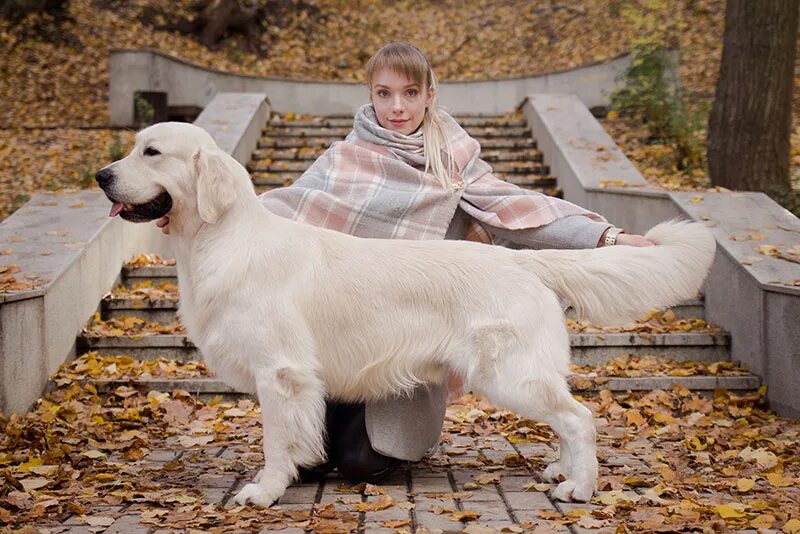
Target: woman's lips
x=398 y=122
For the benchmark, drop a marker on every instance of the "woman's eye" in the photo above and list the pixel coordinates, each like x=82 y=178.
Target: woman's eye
x=412 y=92
x=383 y=94
x=150 y=151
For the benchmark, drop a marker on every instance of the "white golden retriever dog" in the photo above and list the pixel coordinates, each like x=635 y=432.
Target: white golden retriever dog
x=293 y=312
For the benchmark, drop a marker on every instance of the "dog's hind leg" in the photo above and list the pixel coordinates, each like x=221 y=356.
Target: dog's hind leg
x=293 y=411
x=545 y=396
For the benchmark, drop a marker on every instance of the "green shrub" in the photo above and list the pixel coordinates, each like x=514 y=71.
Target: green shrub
x=144 y=112
x=652 y=95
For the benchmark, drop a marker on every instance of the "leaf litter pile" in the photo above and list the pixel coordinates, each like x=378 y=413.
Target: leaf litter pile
x=671 y=460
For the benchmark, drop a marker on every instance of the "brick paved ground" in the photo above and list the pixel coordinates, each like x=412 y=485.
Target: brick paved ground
x=424 y=496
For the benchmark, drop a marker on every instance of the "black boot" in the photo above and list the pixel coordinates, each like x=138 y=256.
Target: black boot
x=352 y=452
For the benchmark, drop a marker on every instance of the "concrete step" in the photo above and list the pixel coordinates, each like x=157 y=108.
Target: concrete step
x=310 y=154
x=499 y=167
x=587 y=349
x=324 y=142
x=478 y=132
x=164 y=310
x=206 y=388
x=600 y=348
x=143 y=347
x=347 y=122
x=160 y=273
x=537 y=178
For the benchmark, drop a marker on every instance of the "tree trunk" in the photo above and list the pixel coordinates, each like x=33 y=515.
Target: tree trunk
x=751 y=120
x=220 y=16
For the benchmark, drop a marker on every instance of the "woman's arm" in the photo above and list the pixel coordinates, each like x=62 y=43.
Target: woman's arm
x=575 y=231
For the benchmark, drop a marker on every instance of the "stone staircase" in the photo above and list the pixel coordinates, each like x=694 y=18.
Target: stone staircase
x=147 y=296
x=290 y=144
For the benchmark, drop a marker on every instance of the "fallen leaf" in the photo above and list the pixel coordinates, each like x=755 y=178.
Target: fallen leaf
x=35 y=483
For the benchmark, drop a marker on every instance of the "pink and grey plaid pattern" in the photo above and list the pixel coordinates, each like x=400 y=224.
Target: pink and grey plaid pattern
x=371 y=186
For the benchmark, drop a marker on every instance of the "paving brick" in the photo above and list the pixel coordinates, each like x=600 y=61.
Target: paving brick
x=392 y=513
x=497 y=525
x=486 y=493
x=127 y=524
x=425 y=503
x=428 y=484
x=161 y=456
x=378 y=528
x=430 y=520
x=299 y=495
x=428 y=472
x=528 y=500
x=490 y=511
x=537 y=450
x=532 y=516
x=216 y=480
x=214 y=495
x=463 y=475
x=101 y=510
x=516 y=483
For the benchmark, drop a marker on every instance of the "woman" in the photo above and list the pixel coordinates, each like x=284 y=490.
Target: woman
x=407 y=170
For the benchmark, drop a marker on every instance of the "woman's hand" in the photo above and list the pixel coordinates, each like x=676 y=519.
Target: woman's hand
x=163 y=223
x=634 y=240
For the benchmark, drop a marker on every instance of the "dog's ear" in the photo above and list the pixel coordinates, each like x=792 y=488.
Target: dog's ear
x=215 y=186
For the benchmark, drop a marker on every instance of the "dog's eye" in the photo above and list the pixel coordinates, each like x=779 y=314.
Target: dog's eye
x=150 y=151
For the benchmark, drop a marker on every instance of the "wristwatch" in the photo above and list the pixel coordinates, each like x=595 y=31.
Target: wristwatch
x=611 y=236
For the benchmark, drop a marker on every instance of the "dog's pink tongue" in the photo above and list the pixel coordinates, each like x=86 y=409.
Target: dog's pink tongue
x=115 y=209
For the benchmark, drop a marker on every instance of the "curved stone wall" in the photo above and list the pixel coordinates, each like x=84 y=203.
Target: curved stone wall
x=187 y=84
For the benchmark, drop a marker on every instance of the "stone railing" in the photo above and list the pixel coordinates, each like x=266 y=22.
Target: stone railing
x=754 y=296
x=74 y=252
x=189 y=85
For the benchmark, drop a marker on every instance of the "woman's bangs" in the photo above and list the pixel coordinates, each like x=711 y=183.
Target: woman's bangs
x=402 y=60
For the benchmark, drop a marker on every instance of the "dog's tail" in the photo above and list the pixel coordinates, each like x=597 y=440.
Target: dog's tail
x=617 y=285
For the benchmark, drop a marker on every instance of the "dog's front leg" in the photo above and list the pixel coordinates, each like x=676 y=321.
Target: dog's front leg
x=293 y=412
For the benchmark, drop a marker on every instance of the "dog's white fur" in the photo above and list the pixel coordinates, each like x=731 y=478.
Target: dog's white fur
x=294 y=312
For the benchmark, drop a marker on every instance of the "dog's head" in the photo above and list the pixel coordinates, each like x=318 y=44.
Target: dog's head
x=174 y=168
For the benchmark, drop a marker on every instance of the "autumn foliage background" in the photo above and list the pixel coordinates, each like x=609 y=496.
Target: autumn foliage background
x=54 y=78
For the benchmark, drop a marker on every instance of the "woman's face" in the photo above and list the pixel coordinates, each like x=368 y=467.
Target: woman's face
x=399 y=102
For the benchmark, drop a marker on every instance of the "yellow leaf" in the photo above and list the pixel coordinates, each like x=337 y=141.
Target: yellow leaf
x=489 y=478
x=745 y=484
x=633 y=417
x=466 y=515
x=730 y=511
x=763 y=521
x=792 y=526
x=611 y=115
x=696 y=199
x=34 y=462
x=777 y=480
x=614 y=496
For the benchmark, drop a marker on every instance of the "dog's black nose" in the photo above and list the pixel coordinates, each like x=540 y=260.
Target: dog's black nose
x=104 y=177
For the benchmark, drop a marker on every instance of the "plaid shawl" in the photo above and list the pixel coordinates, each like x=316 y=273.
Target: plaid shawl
x=373 y=184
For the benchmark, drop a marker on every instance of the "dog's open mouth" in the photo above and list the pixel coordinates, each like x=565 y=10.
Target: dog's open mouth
x=148 y=211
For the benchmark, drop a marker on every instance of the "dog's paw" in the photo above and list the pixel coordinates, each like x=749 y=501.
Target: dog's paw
x=256 y=494
x=572 y=490
x=556 y=472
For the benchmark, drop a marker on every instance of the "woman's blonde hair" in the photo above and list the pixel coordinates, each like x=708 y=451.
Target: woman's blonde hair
x=409 y=61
